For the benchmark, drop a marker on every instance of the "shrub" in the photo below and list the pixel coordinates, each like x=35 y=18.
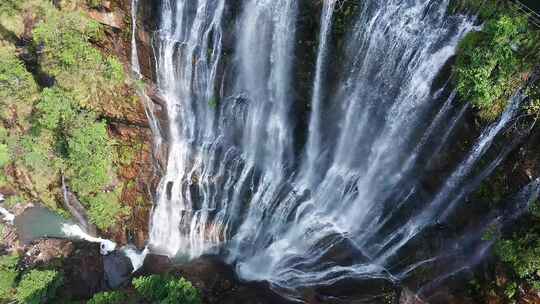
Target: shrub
x=17 y=86
x=491 y=63
x=8 y=274
x=522 y=253
x=113 y=297
x=9 y=7
x=153 y=287
x=181 y=291
x=38 y=286
x=69 y=56
x=56 y=109
x=167 y=290
x=114 y=70
x=90 y=155
x=104 y=209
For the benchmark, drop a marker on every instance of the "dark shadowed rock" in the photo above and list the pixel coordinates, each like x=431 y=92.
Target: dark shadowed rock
x=215 y=279
x=83 y=272
x=219 y=285
x=155 y=264
x=118 y=269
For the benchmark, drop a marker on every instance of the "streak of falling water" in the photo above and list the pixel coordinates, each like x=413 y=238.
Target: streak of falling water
x=135 y=66
x=314 y=145
x=234 y=183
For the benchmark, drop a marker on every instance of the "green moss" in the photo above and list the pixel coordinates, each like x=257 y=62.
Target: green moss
x=126 y=154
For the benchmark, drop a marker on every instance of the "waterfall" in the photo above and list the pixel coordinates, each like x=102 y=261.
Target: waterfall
x=241 y=183
x=135 y=66
x=8 y=216
x=75 y=231
x=313 y=152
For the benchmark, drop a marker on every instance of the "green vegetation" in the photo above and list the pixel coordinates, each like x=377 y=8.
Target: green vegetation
x=8 y=275
x=104 y=209
x=491 y=66
x=38 y=286
x=16 y=84
x=166 y=290
x=69 y=56
x=496 y=61
x=9 y=7
x=522 y=253
x=50 y=132
x=112 y=297
x=90 y=156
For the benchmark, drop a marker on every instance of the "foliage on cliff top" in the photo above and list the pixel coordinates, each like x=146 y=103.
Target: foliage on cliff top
x=166 y=289
x=38 y=286
x=8 y=275
x=494 y=63
x=111 y=297
x=16 y=83
x=9 y=7
x=57 y=131
x=63 y=40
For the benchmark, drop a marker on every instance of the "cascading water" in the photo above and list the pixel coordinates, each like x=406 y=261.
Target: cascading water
x=238 y=184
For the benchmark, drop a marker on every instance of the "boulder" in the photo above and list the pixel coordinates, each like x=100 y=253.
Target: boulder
x=155 y=264
x=118 y=269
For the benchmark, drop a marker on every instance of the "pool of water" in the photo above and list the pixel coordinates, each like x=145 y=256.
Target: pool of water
x=37 y=222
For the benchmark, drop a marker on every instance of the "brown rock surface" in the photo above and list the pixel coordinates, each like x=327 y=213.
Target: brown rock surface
x=112 y=19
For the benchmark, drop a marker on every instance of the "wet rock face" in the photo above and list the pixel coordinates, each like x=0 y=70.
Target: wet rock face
x=147 y=22
x=156 y=264
x=215 y=279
